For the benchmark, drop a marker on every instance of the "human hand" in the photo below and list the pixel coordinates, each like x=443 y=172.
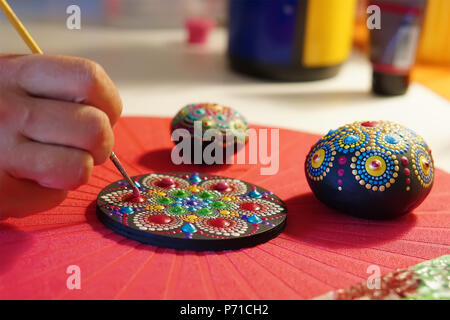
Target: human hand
x=56 y=119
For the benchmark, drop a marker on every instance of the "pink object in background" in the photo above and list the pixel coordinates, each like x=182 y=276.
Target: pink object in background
x=199 y=29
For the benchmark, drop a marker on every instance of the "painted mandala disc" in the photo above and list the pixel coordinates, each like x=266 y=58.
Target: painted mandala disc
x=192 y=212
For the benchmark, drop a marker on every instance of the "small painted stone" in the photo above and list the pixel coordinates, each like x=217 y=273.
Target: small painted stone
x=371 y=169
x=209 y=123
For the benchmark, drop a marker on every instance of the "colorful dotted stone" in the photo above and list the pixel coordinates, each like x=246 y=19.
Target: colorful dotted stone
x=381 y=160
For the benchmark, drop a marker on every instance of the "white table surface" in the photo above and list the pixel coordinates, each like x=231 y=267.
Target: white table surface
x=157 y=73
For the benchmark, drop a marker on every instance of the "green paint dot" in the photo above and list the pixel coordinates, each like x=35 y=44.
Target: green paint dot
x=207 y=195
x=180 y=194
x=221 y=117
x=204 y=212
x=177 y=210
x=164 y=200
x=218 y=205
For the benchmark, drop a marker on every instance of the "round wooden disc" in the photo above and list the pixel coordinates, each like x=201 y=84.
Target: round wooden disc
x=192 y=211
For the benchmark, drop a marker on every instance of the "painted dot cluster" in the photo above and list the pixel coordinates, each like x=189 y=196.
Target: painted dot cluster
x=374 y=169
x=380 y=153
x=320 y=160
x=422 y=165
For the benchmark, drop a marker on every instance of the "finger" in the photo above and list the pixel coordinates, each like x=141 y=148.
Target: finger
x=29 y=197
x=69 y=124
x=69 y=79
x=50 y=166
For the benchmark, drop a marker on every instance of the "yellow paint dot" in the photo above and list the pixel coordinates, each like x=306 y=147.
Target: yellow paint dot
x=191 y=217
x=424 y=165
x=226 y=199
x=161 y=193
x=159 y=207
x=194 y=189
x=408 y=188
x=225 y=212
x=375 y=166
x=317 y=158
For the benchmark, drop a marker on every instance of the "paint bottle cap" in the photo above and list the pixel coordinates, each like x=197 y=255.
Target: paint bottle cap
x=388 y=84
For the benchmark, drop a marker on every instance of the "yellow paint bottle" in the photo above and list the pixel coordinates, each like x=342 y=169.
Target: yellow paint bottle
x=290 y=40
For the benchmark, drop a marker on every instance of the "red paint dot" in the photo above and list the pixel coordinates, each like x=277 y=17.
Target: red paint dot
x=250 y=206
x=340 y=182
x=408 y=180
x=376 y=164
x=404 y=161
x=222 y=186
x=134 y=199
x=342 y=160
x=369 y=123
x=219 y=223
x=340 y=172
x=166 y=183
x=160 y=219
x=406 y=171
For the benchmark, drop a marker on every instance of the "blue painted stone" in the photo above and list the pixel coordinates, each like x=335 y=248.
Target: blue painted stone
x=255 y=194
x=351 y=139
x=254 y=219
x=137 y=184
x=192 y=209
x=126 y=209
x=189 y=228
x=391 y=139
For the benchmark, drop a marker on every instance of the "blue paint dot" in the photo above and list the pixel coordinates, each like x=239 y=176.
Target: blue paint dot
x=351 y=139
x=254 y=219
x=195 y=178
x=391 y=139
x=189 y=228
x=126 y=209
x=255 y=194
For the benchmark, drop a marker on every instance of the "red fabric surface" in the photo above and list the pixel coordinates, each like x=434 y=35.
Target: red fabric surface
x=320 y=250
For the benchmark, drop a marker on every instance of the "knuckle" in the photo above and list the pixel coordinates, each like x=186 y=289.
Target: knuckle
x=89 y=72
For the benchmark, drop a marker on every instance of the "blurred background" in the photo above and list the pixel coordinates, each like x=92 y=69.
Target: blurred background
x=163 y=54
